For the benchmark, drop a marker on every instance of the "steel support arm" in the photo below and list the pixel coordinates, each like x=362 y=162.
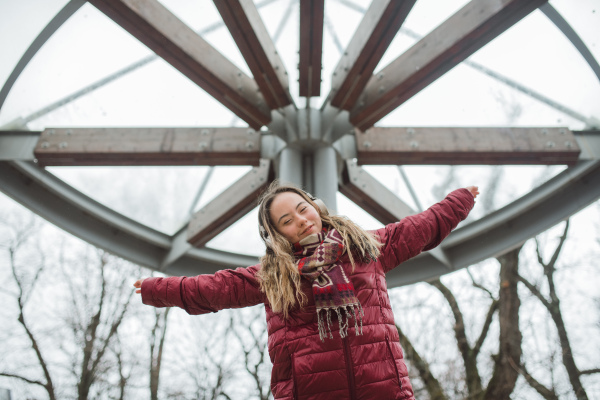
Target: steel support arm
x=312 y=14
x=257 y=48
x=370 y=41
x=229 y=206
x=148 y=146
x=467 y=146
x=360 y=187
x=369 y=194
x=471 y=28
x=160 y=30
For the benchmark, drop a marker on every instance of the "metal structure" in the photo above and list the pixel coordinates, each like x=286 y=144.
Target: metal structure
x=322 y=149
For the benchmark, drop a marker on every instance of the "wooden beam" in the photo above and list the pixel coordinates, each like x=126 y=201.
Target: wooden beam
x=370 y=41
x=369 y=194
x=148 y=146
x=255 y=44
x=312 y=14
x=155 y=26
x=461 y=35
x=467 y=146
x=229 y=206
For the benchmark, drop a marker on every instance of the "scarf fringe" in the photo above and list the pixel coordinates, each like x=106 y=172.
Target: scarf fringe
x=354 y=311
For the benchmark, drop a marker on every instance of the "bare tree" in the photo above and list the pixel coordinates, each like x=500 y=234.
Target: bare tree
x=25 y=280
x=99 y=298
x=251 y=332
x=551 y=302
x=200 y=362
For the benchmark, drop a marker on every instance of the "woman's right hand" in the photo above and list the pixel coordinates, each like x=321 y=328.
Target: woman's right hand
x=138 y=285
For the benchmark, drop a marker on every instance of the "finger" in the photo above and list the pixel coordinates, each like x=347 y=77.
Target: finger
x=138 y=291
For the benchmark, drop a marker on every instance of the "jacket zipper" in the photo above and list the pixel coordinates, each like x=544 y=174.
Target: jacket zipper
x=294 y=377
x=349 y=369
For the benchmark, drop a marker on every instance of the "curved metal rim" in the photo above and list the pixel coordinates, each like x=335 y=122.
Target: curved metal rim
x=507 y=228
x=95 y=223
x=48 y=196
x=59 y=19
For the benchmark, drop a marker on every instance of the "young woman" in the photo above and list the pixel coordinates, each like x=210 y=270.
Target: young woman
x=322 y=281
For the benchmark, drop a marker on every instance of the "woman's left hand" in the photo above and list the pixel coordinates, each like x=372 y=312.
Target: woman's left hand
x=474 y=190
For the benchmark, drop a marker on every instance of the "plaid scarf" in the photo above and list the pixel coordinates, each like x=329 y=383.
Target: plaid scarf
x=317 y=259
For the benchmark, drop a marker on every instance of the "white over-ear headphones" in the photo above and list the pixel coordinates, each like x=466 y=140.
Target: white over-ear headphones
x=265 y=235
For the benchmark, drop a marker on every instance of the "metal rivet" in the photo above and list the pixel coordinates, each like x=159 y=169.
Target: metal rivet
x=203 y=145
x=381 y=89
x=51 y=132
x=550 y=144
x=414 y=144
x=568 y=144
x=69 y=132
x=380 y=76
x=544 y=131
x=204 y=132
x=249 y=131
x=249 y=145
x=63 y=145
x=410 y=131
x=563 y=132
x=239 y=73
x=45 y=145
x=367 y=144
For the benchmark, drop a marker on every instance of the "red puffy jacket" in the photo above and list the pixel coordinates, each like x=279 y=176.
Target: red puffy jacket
x=369 y=366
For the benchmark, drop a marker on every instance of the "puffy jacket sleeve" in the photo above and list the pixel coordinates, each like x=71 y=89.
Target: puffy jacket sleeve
x=424 y=231
x=205 y=293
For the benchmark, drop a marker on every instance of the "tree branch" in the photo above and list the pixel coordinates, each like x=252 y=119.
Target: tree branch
x=548 y=394
x=470 y=362
x=589 y=371
x=486 y=327
x=432 y=385
x=31 y=381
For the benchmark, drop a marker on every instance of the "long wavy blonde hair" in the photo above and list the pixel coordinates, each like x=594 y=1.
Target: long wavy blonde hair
x=278 y=276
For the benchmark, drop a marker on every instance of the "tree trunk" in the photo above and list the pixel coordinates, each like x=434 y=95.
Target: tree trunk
x=158 y=334
x=508 y=360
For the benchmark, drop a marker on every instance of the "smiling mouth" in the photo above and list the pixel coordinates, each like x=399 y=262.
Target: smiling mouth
x=306 y=230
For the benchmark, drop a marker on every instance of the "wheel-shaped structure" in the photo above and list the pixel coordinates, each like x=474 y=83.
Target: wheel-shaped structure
x=321 y=148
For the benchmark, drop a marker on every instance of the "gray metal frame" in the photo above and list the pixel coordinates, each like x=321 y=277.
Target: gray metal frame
x=313 y=148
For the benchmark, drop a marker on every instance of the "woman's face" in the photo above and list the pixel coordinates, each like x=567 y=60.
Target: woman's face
x=294 y=217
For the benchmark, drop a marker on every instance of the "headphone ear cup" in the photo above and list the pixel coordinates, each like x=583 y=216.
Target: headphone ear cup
x=322 y=206
x=318 y=202
x=265 y=237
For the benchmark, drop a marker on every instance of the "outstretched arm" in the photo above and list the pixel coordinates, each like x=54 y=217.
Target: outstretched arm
x=424 y=231
x=203 y=293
